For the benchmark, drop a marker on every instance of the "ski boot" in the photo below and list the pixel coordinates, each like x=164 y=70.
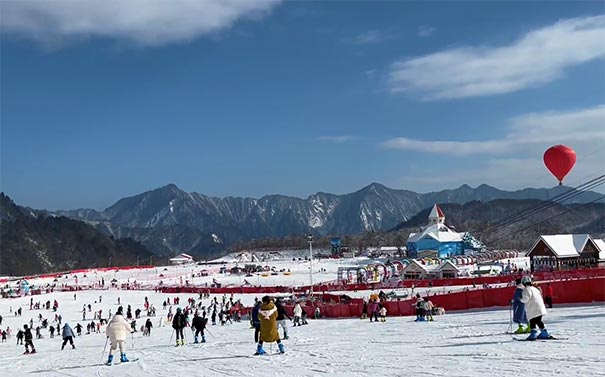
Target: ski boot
x=528 y=330
x=533 y=335
x=544 y=334
x=109 y=359
x=203 y=339
x=281 y=347
x=520 y=330
x=182 y=342
x=26 y=352
x=286 y=337
x=195 y=340
x=260 y=350
x=123 y=358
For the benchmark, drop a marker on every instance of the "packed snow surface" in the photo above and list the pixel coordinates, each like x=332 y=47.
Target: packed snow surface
x=455 y=344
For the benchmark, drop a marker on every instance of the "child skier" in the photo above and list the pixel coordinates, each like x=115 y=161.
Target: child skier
x=534 y=306
x=383 y=313
x=297 y=314
x=27 y=334
x=267 y=316
x=519 y=315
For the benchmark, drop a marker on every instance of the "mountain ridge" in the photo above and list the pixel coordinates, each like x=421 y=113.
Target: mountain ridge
x=163 y=217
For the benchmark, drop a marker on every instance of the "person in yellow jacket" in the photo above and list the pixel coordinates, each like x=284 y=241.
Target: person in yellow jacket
x=267 y=316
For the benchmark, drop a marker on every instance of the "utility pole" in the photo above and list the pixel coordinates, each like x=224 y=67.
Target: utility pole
x=310 y=241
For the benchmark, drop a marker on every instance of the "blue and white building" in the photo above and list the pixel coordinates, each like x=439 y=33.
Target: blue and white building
x=438 y=240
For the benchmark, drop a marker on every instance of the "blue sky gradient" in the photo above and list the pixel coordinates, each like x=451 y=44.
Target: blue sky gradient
x=298 y=97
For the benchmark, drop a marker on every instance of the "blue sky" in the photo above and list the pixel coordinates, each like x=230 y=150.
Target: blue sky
x=252 y=98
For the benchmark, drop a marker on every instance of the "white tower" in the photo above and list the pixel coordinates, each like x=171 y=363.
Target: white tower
x=436 y=216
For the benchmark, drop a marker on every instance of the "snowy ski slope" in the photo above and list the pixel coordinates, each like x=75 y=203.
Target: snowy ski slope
x=456 y=344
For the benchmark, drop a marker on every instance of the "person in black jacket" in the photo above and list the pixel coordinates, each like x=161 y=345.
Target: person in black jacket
x=199 y=324
x=255 y=320
x=27 y=334
x=281 y=317
x=178 y=324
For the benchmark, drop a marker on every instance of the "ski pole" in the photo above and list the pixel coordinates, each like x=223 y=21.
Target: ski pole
x=170 y=341
x=510 y=323
x=208 y=331
x=104 y=347
x=132 y=337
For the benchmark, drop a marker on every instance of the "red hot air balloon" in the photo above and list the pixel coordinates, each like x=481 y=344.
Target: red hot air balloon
x=559 y=159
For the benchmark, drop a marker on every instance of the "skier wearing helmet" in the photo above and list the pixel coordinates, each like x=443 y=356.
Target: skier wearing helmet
x=535 y=309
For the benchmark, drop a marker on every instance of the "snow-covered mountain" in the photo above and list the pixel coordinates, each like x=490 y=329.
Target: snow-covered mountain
x=170 y=220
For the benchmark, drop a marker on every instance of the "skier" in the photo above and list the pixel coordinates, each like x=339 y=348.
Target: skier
x=267 y=316
x=51 y=329
x=534 y=306
x=281 y=317
x=178 y=324
x=199 y=324
x=255 y=320
x=297 y=314
x=68 y=336
x=27 y=334
x=20 y=334
x=116 y=331
x=79 y=329
x=519 y=315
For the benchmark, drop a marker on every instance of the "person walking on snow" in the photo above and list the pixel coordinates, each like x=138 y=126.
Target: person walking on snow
x=373 y=309
x=68 y=336
x=256 y=320
x=534 y=306
x=281 y=317
x=519 y=315
x=548 y=296
x=297 y=314
x=267 y=316
x=116 y=331
x=178 y=324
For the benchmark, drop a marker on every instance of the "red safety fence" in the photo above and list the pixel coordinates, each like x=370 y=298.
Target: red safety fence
x=564 y=292
x=478 y=281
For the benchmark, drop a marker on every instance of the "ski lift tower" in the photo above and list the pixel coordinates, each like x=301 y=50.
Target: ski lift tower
x=310 y=241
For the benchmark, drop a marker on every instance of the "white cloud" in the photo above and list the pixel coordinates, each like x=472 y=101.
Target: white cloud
x=371 y=36
x=537 y=58
x=145 y=22
x=336 y=139
x=426 y=31
x=524 y=133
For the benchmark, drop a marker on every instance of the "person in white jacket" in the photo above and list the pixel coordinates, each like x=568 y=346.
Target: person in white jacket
x=116 y=331
x=297 y=314
x=535 y=309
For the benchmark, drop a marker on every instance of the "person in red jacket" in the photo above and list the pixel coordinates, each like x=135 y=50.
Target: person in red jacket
x=548 y=296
